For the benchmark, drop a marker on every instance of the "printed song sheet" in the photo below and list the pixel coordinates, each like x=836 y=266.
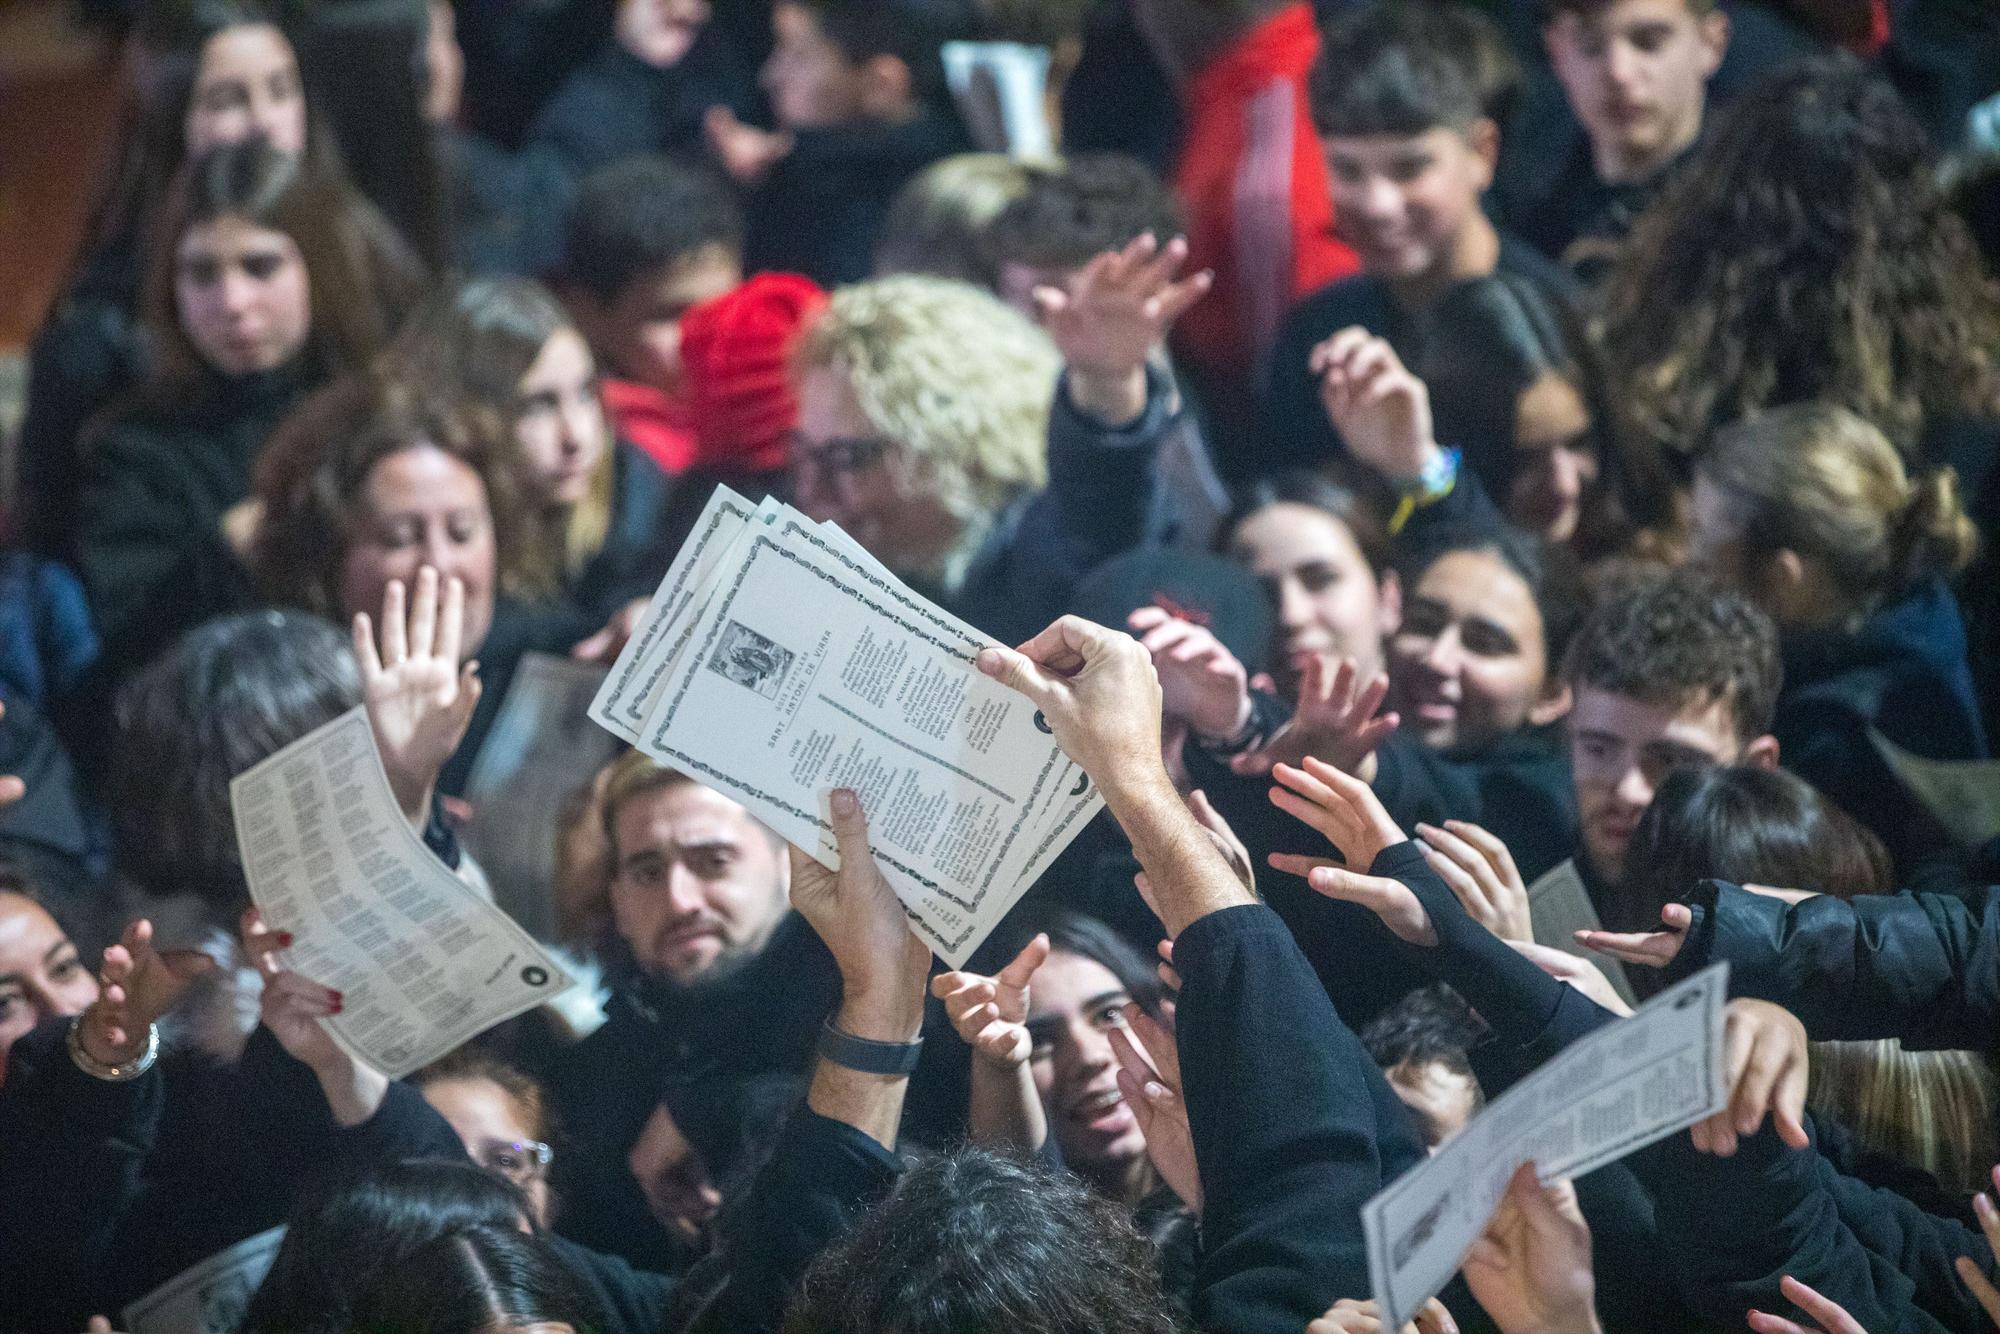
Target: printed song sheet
x=782 y=661
x=423 y=962
x=1630 y=1083
x=211 y=1297
x=539 y=754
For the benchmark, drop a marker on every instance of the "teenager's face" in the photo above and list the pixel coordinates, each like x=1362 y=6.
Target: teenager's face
x=243 y=295
x=810 y=81
x=1636 y=72
x=698 y=885
x=1326 y=598
x=41 y=975
x=639 y=330
x=494 y=1128
x=1555 y=460
x=1441 y=1100
x=1073 y=1004
x=560 y=426
x=1621 y=749
x=1470 y=662
x=421 y=506
x=1403 y=201
x=845 y=471
x=247 y=86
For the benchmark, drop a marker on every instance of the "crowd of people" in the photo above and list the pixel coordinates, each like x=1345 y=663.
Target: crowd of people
x=1499 y=498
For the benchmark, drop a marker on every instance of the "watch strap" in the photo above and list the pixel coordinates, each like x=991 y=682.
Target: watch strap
x=867 y=1055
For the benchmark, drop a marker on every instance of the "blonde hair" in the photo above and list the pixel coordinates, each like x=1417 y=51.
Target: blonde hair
x=937 y=222
x=586 y=849
x=1931 y=1109
x=1819 y=480
x=960 y=382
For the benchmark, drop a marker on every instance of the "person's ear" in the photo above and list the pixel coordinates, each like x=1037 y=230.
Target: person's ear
x=1761 y=753
x=1483 y=137
x=1389 y=595
x=1553 y=704
x=888 y=88
x=1714 y=32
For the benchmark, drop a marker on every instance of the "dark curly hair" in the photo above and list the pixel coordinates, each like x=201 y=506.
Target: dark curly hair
x=976 y=1240
x=1807 y=252
x=1093 y=202
x=1669 y=637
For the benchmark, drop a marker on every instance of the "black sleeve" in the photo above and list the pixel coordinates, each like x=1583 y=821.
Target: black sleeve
x=1103 y=495
x=1292 y=427
x=83 y=358
x=1924 y=968
x=1281 y=1102
x=632 y=1301
x=1922 y=1246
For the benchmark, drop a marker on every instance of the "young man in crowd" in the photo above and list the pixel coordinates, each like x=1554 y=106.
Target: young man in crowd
x=857 y=91
x=1669 y=672
x=650 y=239
x=1404 y=99
x=1635 y=73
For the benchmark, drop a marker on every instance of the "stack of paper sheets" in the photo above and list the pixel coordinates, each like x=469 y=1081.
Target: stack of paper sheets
x=779 y=661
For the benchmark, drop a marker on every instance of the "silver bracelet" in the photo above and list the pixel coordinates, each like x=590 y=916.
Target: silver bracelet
x=116 y=1074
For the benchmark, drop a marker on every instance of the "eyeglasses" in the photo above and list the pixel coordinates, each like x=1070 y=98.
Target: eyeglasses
x=836 y=457
x=520 y=1161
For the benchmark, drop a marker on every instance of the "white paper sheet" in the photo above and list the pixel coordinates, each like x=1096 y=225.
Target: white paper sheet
x=209 y=1298
x=423 y=963
x=540 y=752
x=1630 y=1083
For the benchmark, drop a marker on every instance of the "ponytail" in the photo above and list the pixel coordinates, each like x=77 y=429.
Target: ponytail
x=1932 y=534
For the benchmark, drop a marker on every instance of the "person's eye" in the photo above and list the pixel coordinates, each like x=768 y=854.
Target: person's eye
x=505 y=1160
x=9 y=1006
x=1651 y=41
x=464 y=530
x=224 y=97
x=65 y=969
x=1318 y=578
x=1347 y=173
x=263 y=267
x=1110 y=1016
x=711 y=863
x=1409 y=169
x=1487 y=641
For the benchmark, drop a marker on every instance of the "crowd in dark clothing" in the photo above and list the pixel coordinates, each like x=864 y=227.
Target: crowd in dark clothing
x=1499 y=499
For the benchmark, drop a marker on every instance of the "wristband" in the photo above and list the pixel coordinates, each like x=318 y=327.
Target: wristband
x=867 y=1055
x=1438 y=479
x=115 y=1074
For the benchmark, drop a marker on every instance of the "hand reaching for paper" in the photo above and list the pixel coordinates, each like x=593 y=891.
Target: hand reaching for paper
x=1201 y=682
x=294 y=1008
x=1345 y=810
x=1337 y=722
x=1653 y=949
x=1116 y=310
x=137 y=986
x=991 y=1013
x=1532 y=1268
x=882 y=962
x=1764 y=1058
x=1829 y=1316
x=420 y=701
x=1382 y=411
x=1349 y=1316
x=1150 y=1082
x=1580 y=973
x=1480 y=872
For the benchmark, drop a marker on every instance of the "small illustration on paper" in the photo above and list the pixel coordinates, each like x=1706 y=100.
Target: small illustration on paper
x=749 y=659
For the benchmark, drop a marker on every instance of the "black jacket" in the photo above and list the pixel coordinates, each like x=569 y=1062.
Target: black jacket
x=616 y=106
x=1905 y=674
x=821 y=208
x=635 y=556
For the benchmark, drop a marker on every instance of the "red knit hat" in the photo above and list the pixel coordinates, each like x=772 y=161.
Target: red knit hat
x=735 y=354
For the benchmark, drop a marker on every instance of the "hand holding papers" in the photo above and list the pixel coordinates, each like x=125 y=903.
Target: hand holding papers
x=422 y=963
x=779 y=661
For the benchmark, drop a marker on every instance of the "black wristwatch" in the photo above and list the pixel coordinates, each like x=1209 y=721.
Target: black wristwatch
x=867 y=1055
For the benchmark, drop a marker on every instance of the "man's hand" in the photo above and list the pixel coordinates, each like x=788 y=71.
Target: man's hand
x=420 y=701
x=1150 y=1082
x=1531 y=1270
x=294 y=1008
x=1481 y=872
x=991 y=1013
x=1382 y=411
x=1582 y=974
x=1652 y=949
x=882 y=962
x=659 y=32
x=1098 y=692
x=1336 y=722
x=1830 y=1318
x=1201 y=682
x=745 y=152
x=1764 y=1059
x=1117 y=310
x=1349 y=1316
x=136 y=987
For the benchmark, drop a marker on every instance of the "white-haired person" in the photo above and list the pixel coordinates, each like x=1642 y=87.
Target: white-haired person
x=935 y=428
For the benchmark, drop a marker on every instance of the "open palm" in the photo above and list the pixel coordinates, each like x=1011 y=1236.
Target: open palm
x=420 y=700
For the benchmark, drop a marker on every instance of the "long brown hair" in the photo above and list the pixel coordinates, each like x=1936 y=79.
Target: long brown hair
x=363 y=277
x=311 y=477
x=1806 y=252
x=474 y=345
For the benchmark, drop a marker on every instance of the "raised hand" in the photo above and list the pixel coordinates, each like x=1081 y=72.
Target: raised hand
x=1652 y=949
x=882 y=962
x=991 y=1013
x=1969 y=1272
x=1149 y=1078
x=1098 y=692
x=1201 y=682
x=420 y=701
x=294 y=1008
x=1582 y=974
x=1531 y=1270
x=1117 y=309
x=136 y=987
x=1345 y=810
x=1764 y=1058
x=1831 y=1318
x=1382 y=411
x=1337 y=721
x=1349 y=1316
x=1481 y=873
x=745 y=152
